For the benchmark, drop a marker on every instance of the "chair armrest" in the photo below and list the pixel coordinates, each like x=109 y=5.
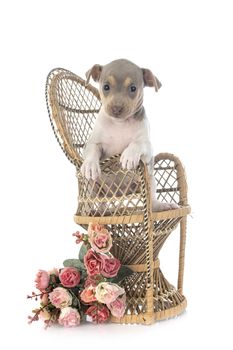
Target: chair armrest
x=171 y=179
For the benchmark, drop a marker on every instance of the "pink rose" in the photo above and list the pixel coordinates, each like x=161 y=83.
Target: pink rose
x=88 y=295
x=60 y=297
x=69 y=277
x=99 y=238
x=69 y=317
x=98 y=313
x=94 y=227
x=94 y=263
x=111 y=267
x=106 y=292
x=118 y=306
x=92 y=281
x=42 y=280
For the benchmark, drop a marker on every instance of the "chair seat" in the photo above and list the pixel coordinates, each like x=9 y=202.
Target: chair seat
x=135 y=217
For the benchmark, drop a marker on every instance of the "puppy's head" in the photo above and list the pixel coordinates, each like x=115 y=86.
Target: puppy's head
x=121 y=86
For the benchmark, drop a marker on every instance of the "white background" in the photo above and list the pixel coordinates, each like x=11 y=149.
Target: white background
x=188 y=45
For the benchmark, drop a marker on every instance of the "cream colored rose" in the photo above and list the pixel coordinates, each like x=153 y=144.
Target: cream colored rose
x=69 y=317
x=106 y=292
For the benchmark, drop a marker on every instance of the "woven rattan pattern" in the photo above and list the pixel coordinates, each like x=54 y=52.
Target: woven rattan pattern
x=121 y=200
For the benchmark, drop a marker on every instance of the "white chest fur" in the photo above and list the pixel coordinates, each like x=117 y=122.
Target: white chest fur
x=110 y=136
x=115 y=135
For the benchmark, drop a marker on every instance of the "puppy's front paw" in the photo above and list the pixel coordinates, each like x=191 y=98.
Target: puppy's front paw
x=90 y=169
x=129 y=159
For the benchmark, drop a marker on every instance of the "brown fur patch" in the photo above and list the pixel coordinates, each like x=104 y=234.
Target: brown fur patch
x=127 y=82
x=111 y=79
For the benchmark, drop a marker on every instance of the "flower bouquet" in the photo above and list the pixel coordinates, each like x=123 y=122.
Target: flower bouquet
x=87 y=288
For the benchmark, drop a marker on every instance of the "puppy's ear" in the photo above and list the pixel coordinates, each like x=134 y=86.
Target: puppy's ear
x=94 y=73
x=150 y=80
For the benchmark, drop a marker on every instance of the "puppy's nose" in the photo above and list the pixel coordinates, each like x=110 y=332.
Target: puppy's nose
x=116 y=110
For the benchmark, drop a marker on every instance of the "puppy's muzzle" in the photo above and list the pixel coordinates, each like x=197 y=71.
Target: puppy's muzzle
x=117 y=110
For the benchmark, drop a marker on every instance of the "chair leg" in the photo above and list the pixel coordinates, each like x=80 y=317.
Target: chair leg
x=183 y=224
x=150 y=291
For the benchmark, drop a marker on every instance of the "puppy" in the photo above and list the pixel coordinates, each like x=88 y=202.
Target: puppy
x=121 y=126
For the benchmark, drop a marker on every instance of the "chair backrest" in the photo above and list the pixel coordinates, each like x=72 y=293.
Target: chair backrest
x=72 y=108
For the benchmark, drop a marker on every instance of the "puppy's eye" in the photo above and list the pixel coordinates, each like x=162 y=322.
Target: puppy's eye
x=106 y=87
x=132 y=88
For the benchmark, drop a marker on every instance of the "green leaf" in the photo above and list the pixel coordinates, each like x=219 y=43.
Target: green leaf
x=74 y=263
x=53 y=281
x=82 y=252
x=122 y=273
x=76 y=302
x=83 y=277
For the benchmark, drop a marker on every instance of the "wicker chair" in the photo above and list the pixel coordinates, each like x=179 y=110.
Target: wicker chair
x=138 y=233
